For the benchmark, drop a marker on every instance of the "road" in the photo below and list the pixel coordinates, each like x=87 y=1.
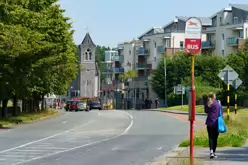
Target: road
x=92 y=138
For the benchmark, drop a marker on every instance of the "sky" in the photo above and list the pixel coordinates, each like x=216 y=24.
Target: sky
x=111 y=22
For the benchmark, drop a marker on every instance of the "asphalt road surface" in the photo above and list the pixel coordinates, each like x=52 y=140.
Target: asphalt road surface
x=93 y=138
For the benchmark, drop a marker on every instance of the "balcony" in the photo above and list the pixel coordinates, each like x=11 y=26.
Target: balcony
x=143 y=52
x=119 y=58
x=208 y=44
x=161 y=50
x=234 y=41
x=142 y=66
x=114 y=70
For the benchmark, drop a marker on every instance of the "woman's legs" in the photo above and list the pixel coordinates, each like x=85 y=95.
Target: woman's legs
x=216 y=135
x=213 y=139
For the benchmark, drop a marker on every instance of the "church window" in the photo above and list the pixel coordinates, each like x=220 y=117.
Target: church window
x=90 y=55
x=86 y=56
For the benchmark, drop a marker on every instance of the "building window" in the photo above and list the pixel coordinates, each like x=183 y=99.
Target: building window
x=129 y=52
x=222 y=53
x=235 y=20
x=220 y=20
x=86 y=56
x=223 y=37
x=181 y=45
x=90 y=55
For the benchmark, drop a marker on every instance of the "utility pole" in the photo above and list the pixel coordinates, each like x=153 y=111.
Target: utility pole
x=165 y=97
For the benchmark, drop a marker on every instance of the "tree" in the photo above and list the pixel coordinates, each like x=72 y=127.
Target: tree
x=37 y=52
x=131 y=74
x=179 y=70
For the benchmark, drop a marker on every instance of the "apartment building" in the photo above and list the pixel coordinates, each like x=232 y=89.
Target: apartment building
x=113 y=62
x=228 y=31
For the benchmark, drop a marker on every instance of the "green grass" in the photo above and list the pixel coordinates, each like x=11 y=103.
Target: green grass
x=26 y=118
x=184 y=108
x=236 y=136
x=199 y=108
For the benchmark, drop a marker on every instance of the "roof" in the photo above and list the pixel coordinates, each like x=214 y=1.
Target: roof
x=222 y=10
x=240 y=6
x=206 y=21
x=87 y=40
x=156 y=30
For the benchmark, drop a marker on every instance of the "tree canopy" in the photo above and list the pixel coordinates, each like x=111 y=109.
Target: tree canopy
x=37 y=51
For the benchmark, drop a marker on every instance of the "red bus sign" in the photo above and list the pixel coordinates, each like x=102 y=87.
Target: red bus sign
x=193 y=35
x=193 y=46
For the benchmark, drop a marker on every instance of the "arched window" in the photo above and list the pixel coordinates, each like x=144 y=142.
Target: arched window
x=90 y=55
x=86 y=55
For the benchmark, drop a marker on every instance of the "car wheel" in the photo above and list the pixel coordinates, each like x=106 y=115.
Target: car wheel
x=100 y=108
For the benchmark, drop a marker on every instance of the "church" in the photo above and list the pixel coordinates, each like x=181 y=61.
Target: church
x=87 y=83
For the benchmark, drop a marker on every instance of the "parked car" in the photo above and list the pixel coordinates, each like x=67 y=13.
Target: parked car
x=68 y=105
x=95 y=104
x=82 y=106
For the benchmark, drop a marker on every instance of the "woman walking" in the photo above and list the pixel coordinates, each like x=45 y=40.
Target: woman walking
x=212 y=108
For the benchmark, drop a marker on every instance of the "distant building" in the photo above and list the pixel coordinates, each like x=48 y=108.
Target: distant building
x=229 y=29
x=87 y=82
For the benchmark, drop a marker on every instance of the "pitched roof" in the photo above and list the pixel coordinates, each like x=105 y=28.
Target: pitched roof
x=205 y=20
x=240 y=6
x=87 y=40
x=156 y=30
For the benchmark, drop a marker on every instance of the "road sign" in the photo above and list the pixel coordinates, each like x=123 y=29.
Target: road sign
x=193 y=28
x=193 y=46
x=193 y=35
x=236 y=83
x=228 y=75
x=179 y=89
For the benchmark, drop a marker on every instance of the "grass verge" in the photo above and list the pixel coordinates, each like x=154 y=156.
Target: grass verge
x=184 y=108
x=236 y=136
x=27 y=118
x=180 y=159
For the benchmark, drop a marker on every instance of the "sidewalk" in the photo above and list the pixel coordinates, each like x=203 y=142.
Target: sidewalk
x=226 y=156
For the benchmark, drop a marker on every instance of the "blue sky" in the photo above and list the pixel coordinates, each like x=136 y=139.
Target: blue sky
x=111 y=21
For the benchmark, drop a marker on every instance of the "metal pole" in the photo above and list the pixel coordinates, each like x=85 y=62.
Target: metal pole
x=236 y=107
x=165 y=90
x=193 y=113
x=228 y=100
x=182 y=97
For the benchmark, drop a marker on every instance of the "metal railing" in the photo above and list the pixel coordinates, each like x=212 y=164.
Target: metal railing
x=208 y=44
x=234 y=41
x=143 y=52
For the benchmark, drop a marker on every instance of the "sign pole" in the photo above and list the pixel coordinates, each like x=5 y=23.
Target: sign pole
x=193 y=111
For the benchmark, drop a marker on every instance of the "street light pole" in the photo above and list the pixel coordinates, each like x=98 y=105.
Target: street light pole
x=165 y=97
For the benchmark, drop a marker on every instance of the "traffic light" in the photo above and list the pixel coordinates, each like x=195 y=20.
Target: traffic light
x=104 y=92
x=75 y=93
x=79 y=93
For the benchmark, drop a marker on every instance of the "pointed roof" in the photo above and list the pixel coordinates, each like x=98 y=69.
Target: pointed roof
x=88 y=41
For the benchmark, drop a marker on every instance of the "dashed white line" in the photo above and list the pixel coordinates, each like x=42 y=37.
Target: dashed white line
x=49 y=137
x=85 y=145
x=64 y=122
x=99 y=114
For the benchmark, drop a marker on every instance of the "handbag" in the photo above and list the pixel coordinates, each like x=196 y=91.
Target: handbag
x=221 y=122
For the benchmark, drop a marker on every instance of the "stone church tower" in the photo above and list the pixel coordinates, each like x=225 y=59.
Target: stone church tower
x=89 y=82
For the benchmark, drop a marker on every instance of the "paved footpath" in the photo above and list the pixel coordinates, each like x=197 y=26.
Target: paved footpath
x=226 y=156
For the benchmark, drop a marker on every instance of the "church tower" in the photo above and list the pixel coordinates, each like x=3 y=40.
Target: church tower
x=89 y=76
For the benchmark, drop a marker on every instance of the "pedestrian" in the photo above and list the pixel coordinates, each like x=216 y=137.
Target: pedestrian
x=212 y=108
x=156 y=103
x=146 y=103
x=150 y=103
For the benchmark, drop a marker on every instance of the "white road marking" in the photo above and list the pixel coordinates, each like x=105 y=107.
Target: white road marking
x=85 y=145
x=99 y=113
x=160 y=148
x=64 y=122
x=49 y=137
